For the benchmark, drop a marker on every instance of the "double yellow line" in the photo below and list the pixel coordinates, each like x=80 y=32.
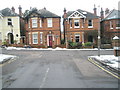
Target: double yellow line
x=103 y=68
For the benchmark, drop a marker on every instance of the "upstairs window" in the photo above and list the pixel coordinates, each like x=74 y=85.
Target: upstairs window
x=76 y=24
x=34 y=23
x=118 y=24
x=111 y=24
x=90 y=24
x=70 y=23
x=29 y=24
x=9 y=21
x=40 y=23
x=49 y=22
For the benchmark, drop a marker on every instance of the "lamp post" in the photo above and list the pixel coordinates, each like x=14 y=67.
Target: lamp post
x=99 y=34
x=116 y=45
x=66 y=34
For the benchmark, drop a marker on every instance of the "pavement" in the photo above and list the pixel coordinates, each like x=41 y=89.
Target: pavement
x=55 y=69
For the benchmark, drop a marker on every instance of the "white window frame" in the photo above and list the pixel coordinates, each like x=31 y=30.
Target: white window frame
x=9 y=21
x=118 y=23
x=49 y=22
x=77 y=36
x=70 y=23
x=34 y=23
x=29 y=24
x=41 y=37
x=35 y=38
x=92 y=24
x=77 y=20
x=40 y=23
x=111 y=23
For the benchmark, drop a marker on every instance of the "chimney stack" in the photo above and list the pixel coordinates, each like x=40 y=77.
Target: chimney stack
x=106 y=11
x=65 y=14
x=13 y=9
x=102 y=14
x=95 y=10
x=20 y=10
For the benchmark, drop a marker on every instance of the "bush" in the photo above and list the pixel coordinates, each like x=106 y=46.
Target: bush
x=88 y=44
x=62 y=41
x=74 y=45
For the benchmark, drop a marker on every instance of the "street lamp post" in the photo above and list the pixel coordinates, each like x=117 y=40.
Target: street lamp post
x=99 y=38
x=66 y=34
x=116 y=44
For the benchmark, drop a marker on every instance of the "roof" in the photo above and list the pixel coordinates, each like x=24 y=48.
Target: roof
x=7 y=12
x=42 y=13
x=114 y=14
x=83 y=12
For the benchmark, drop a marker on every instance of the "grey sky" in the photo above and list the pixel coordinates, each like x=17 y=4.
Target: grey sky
x=57 y=6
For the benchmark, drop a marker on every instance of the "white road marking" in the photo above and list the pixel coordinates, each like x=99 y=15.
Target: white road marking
x=45 y=77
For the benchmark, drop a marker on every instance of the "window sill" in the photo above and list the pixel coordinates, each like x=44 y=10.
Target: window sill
x=34 y=27
x=76 y=27
x=90 y=26
x=117 y=27
x=35 y=43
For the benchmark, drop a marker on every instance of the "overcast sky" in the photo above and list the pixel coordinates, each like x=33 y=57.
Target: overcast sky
x=57 y=6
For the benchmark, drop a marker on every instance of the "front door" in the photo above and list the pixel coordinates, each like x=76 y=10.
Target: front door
x=10 y=38
x=50 y=41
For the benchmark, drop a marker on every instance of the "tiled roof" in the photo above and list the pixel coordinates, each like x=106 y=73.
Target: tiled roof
x=43 y=13
x=7 y=12
x=114 y=14
x=87 y=14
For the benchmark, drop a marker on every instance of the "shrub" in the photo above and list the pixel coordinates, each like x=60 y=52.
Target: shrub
x=88 y=44
x=62 y=41
x=74 y=45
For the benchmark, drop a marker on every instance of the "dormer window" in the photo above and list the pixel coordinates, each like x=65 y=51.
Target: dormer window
x=76 y=23
x=9 y=21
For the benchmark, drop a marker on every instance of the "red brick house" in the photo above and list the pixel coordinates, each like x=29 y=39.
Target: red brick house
x=42 y=28
x=110 y=26
x=80 y=26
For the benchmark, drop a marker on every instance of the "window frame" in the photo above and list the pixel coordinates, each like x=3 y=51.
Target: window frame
x=49 y=22
x=35 y=38
x=78 y=22
x=90 y=25
x=41 y=37
x=34 y=21
x=40 y=22
x=111 y=24
x=77 y=38
x=118 y=24
x=9 y=20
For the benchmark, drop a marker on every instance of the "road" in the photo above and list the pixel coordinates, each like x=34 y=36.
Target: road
x=54 y=69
